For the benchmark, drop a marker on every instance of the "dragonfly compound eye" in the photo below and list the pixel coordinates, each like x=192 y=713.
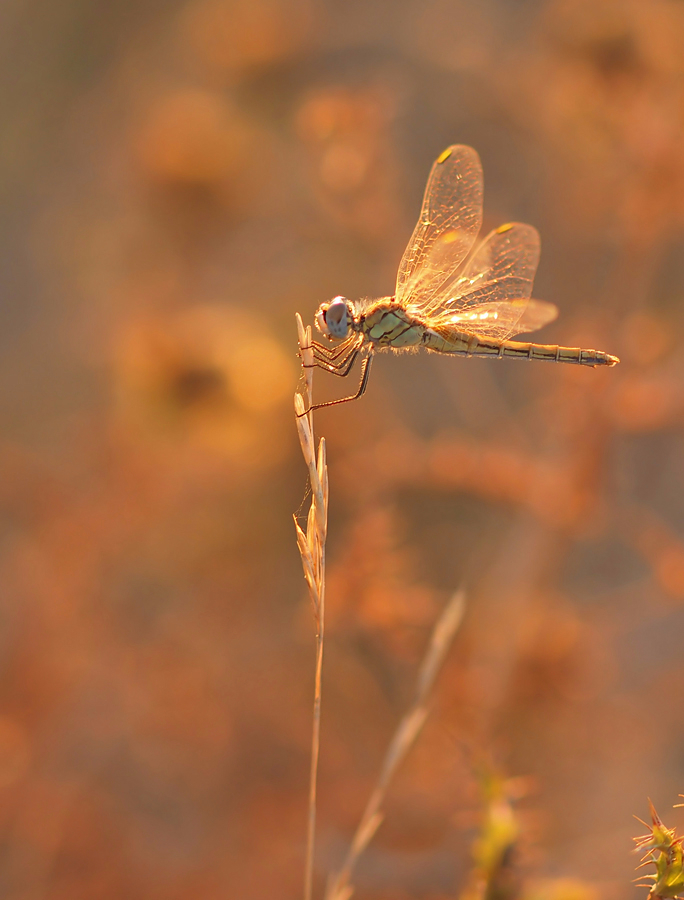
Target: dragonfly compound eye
x=336 y=318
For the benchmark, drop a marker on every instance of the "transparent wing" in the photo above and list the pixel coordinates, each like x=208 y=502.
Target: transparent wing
x=449 y=222
x=501 y=272
x=503 y=319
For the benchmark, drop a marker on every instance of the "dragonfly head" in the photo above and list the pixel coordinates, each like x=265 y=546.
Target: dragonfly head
x=334 y=318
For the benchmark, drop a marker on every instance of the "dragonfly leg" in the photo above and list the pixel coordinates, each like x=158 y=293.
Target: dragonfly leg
x=342 y=368
x=334 y=352
x=341 y=363
x=365 y=372
x=328 y=349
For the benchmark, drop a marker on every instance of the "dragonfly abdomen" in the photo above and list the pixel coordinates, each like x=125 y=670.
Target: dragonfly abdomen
x=466 y=344
x=554 y=353
x=460 y=343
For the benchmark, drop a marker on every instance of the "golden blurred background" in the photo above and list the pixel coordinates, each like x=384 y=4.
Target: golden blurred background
x=177 y=180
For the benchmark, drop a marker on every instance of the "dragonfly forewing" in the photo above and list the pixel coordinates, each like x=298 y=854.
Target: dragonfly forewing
x=450 y=220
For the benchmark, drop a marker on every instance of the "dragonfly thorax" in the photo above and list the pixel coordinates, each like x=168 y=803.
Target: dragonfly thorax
x=335 y=318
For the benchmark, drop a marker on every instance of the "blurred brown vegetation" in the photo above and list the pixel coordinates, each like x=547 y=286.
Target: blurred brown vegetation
x=178 y=179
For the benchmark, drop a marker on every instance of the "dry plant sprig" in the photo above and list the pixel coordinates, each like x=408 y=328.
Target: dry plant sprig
x=340 y=887
x=663 y=850
x=312 y=550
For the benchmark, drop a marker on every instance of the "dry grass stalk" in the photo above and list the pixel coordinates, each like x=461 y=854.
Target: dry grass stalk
x=340 y=887
x=312 y=550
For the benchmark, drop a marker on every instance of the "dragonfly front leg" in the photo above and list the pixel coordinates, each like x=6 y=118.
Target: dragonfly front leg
x=334 y=351
x=341 y=362
x=329 y=351
x=365 y=372
x=343 y=368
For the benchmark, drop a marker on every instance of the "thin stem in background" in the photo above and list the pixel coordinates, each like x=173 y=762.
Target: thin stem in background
x=340 y=887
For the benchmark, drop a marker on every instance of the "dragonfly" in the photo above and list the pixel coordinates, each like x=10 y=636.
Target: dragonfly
x=451 y=296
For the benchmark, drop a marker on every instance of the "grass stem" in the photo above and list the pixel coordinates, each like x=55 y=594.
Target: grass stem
x=311 y=546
